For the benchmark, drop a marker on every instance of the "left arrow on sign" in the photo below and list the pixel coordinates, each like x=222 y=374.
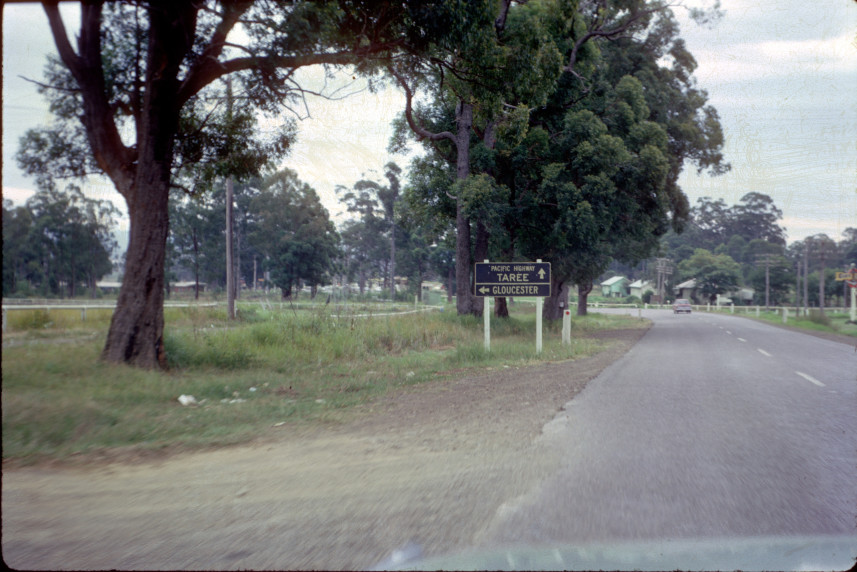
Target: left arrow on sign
x=483 y=290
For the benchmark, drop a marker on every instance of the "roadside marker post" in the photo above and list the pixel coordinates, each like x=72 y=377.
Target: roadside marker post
x=785 y=315
x=566 y=327
x=850 y=278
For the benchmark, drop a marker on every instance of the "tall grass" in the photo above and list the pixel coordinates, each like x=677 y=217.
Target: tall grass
x=269 y=367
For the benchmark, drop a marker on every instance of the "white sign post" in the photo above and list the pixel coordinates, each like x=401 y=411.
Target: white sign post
x=850 y=277
x=566 y=327
x=539 y=305
x=853 y=315
x=486 y=320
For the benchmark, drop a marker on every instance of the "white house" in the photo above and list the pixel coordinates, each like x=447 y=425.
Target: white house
x=640 y=287
x=615 y=287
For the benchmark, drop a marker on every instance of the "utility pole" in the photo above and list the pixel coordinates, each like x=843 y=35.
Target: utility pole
x=664 y=268
x=822 y=250
x=766 y=259
x=230 y=280
x=797 y=288
x=806 y=278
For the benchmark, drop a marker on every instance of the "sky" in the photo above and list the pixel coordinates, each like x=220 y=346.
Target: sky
x=782 y=75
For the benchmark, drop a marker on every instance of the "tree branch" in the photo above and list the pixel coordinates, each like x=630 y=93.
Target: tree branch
x=598 y=31
x=211 y=70
x=110 y=154
x=421 y=132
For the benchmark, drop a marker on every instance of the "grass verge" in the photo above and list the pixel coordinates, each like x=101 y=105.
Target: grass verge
x=271 y=367
x=836 y=323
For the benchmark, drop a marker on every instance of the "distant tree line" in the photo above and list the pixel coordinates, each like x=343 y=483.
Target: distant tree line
x=725 y=248
x=58 y=244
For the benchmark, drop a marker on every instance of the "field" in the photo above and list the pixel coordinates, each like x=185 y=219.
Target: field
x=275 y=368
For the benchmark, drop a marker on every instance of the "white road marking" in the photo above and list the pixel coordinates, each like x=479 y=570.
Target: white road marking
x=810 y=379
x=764 y=353
x=741 y=340
x=721 y=327
x=728 y=332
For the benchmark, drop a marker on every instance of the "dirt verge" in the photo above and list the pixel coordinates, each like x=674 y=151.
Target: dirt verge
x=427 y=465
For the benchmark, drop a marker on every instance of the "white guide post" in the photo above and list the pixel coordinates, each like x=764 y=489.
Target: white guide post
x=539 y=303
x=566 y=327
x=486 y=320
x=853 y=315
x=785 y=315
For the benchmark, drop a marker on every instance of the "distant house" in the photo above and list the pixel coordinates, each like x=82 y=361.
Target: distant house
x=616 y=287
x=640 y=287
x=187 y=286
x=108 y=286
x=743 y=295
x=686 y=290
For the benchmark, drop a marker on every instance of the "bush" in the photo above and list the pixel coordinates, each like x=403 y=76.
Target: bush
x=817 y=317
x=647 y=296
x=631 y=300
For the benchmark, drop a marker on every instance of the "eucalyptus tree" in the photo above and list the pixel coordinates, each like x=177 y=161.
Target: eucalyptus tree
x=595 y=176
x=375 y=204
x=58 y=241
x=293 y=232
x=495 y=59
x=134 y=100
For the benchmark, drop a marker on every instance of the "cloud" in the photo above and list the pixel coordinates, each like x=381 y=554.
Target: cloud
x=777 y=58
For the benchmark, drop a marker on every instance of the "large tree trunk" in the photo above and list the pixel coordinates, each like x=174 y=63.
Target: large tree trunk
x=480 y=252
x=501 y=307
x=392 y=261
x=136 y=334
x=464 y=295
x=557 y=302
x=583 y=290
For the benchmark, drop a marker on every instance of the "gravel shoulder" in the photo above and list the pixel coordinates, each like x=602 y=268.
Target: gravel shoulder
x=428 y=465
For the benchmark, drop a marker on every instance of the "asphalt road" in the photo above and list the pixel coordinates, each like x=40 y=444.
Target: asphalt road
x=712 y=426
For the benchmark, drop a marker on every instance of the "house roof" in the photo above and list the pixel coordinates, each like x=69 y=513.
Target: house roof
x=687 y=284
x=640 y=284
x=614 y=280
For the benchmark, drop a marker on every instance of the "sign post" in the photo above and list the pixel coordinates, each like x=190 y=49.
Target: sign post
x=519 y=279
x=566 y=327
x=486 y=321
x=850 y=277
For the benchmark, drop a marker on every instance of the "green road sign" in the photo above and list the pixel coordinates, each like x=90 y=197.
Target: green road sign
x=513 y=279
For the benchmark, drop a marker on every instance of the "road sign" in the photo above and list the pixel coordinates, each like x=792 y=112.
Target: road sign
x=516 y=279
x=850 y=277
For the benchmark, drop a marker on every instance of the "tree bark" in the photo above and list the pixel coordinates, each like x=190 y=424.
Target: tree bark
x=559 y=295
x=136 y=334
x=480 y=252
x=392 y=261
x=463 y=262
x=583 y=290
x=501 y=307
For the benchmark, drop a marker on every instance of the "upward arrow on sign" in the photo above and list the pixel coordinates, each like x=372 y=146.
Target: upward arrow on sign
x=542 y=273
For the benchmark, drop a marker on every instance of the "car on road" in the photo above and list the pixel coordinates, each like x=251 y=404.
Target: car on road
x=681 y=305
